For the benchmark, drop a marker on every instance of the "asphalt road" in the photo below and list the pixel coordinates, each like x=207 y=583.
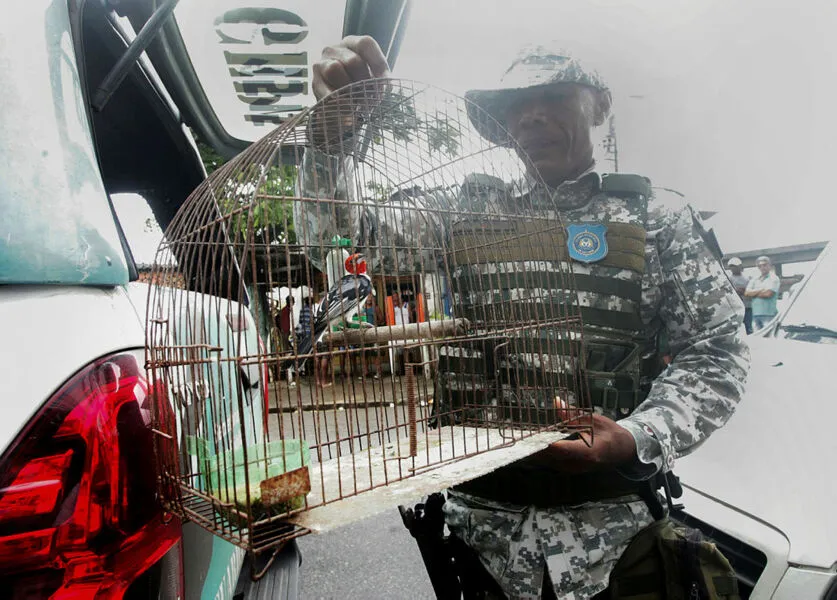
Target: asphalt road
x=371 y=559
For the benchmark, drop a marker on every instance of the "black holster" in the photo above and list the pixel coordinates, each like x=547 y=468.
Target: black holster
x=454 y=568
x=670 y=484
x=426 y=524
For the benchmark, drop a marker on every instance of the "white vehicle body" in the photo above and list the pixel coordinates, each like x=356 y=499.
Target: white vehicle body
x=73 y=326
x=765 y=483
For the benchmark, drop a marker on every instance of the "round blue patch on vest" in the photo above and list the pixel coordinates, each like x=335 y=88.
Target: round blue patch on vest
x=587 y=242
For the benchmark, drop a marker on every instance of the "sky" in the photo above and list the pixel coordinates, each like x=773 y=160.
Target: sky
x=730 y=103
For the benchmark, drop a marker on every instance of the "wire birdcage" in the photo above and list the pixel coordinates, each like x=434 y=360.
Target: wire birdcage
x=380 y=203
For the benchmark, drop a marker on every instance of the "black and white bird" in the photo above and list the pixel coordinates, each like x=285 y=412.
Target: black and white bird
x=342 y=300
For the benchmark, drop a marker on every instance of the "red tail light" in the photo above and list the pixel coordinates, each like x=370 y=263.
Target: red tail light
x=79 y=517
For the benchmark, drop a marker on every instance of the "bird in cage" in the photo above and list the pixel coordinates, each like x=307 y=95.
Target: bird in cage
x=482 y=232
x=341 y=301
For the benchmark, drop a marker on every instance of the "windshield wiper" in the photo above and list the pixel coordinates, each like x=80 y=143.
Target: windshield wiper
x=810 y=329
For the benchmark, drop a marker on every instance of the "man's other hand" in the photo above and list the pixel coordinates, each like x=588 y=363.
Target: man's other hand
x=354 y=59
x=609 y=446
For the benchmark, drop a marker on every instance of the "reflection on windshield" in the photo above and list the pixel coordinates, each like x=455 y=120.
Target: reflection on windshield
x=812 y=313
x=255 y=61
x=810 y=333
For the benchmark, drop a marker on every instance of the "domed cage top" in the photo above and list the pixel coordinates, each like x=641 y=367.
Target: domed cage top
x=434 y=333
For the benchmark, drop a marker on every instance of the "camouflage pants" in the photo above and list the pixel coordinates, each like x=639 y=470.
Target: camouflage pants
x=579 y=545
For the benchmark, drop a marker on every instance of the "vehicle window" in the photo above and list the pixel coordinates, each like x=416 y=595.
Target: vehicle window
x=141 y=228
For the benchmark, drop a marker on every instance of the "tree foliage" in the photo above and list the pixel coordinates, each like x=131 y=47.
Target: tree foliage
x=380 y=192
x=211 y=159
x=261 y=198
x=398 y=116
x=443 y=135
x=151 y=226
x=257 y=196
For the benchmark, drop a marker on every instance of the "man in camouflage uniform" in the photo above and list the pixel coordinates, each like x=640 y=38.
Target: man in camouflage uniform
x=558 y=522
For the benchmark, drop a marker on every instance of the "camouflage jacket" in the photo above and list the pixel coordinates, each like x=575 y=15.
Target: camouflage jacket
x=687 y=298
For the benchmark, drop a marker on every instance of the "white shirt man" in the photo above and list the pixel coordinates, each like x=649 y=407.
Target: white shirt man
x=402 y=313
x=764 y=291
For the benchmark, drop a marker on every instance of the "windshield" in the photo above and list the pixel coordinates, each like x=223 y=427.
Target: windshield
x=813 y=307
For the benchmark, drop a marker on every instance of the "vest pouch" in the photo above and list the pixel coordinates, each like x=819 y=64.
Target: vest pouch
x=615 y=395
x=610 y=355
x=666 y=561
x=613 y=376
x=467 y=384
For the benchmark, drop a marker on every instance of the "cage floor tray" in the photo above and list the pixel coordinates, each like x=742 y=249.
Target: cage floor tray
x=356 y=486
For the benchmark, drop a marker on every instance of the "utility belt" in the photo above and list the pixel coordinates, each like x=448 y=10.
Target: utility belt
x=661 y=562
x=525 y=484
x=529 y=485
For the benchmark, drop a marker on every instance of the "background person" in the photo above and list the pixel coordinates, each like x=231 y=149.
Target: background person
x=375 y=317
x=322 y=362
x=401 y=313
x=284 y=323
x=739 y=281
x=764 y=292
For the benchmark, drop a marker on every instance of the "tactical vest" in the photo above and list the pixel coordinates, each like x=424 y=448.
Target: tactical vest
x=618 y=356
x=619 y=360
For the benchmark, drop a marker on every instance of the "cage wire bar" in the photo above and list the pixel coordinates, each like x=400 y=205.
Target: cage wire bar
x=253 y=431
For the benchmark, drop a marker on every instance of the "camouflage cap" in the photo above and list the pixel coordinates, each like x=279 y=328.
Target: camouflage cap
x=535 y=66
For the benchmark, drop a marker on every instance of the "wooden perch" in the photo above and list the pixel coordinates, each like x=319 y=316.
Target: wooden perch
x=429 y=330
